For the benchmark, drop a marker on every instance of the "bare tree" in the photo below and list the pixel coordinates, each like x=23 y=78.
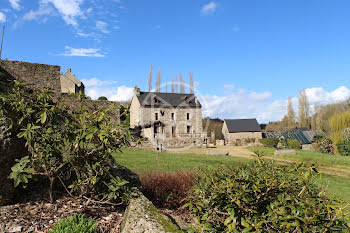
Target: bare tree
x=150 y=78
x=172 y=84
x=182 y=84
x=158 y=80
x=166 y=86
x=176 y=84
x=290 y=114
x=304 y=109
x=191 y=83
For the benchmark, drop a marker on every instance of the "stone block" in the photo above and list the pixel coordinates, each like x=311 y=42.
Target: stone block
x=217 y=152
x=285 y=152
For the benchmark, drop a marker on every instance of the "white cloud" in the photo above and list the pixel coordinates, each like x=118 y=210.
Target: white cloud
x=209 y=8
x=31 y=15
x=96 y=87
x=15 y=4
x=248 y=104
x=81 y=52
x=102 y=26
x=239 y=104
x=69 y=9
x=96 y=82
x=2 y=17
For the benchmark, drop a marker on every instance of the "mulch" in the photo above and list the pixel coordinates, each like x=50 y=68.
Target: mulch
x=40 y=215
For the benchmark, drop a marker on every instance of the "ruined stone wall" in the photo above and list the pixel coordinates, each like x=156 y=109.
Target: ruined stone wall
x=34 y=75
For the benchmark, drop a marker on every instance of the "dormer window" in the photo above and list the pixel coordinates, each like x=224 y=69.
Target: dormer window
x=187 y=100
x=156 y=100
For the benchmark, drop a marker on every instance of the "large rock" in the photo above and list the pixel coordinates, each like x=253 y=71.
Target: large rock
x=126 y=174
x=217 y=152
x=141 y=216
x=285 y=152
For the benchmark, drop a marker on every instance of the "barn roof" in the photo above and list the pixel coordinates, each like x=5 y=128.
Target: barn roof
x=242 y=125
x=168 y=99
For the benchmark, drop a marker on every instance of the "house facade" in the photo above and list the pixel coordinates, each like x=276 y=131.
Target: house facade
x=166 y=115
x=234 y=129
x=71 y=84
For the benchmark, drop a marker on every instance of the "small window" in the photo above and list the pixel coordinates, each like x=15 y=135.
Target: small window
x=156 y=100
x=189 y=129
x=172 y=116
x=188 y=116
x=156 y=116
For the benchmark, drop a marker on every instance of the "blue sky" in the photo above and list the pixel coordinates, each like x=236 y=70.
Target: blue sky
x=247 y=56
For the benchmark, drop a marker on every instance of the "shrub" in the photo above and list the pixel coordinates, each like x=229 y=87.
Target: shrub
x=344 y=147
x=318 y=138
x=263 y=197
x=75 y=149
x=75 y=224
x=270 y=142
x=293 y=144
x=102 y=98
x=324 y=146
x=167 y=190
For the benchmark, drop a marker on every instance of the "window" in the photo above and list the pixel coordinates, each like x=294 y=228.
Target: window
x=156 y=100
x=188 y=116
x=156 y=116
x=172 y=116
x=189 y=129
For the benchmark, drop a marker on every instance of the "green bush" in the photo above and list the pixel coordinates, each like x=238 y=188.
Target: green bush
x=264 y=197
x=75 y=224
x=324 y=146
x=74 y=149
x=270 y=142
x=318 y=138
x=102 y=98
x=344 y=147
x=293 y=144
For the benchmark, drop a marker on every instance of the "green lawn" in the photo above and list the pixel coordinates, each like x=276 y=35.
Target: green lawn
x=142 y=161
x=311 y=156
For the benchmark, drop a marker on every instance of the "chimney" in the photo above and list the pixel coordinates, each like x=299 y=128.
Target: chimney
x=69 y=70
x=136 y=91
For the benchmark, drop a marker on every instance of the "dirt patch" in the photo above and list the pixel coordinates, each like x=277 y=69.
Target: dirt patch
x=39 y=216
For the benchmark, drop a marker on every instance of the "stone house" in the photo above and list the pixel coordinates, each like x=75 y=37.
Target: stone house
x=166 y=116
x=71 y=84
x=234 y=129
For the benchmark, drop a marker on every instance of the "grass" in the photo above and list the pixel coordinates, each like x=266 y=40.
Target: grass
x=311 y=156
x=142 y=161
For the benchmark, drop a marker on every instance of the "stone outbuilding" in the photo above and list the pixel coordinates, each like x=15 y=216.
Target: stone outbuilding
x=234 y=129
x=71 y=84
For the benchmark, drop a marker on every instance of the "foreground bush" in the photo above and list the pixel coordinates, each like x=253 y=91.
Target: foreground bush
x=344 y=147
x=75 y=224
x=167 y=190
x=263 y=197
x=73 y=149
x=270 y=142
x=291 y=144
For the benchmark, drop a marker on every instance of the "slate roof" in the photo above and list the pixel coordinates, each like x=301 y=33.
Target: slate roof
x=242 y=125
x=167 y=99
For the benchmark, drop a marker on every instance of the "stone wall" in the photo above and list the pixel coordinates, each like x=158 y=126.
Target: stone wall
x=34 y=75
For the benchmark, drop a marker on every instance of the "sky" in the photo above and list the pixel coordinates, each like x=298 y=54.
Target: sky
x=247 y=56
